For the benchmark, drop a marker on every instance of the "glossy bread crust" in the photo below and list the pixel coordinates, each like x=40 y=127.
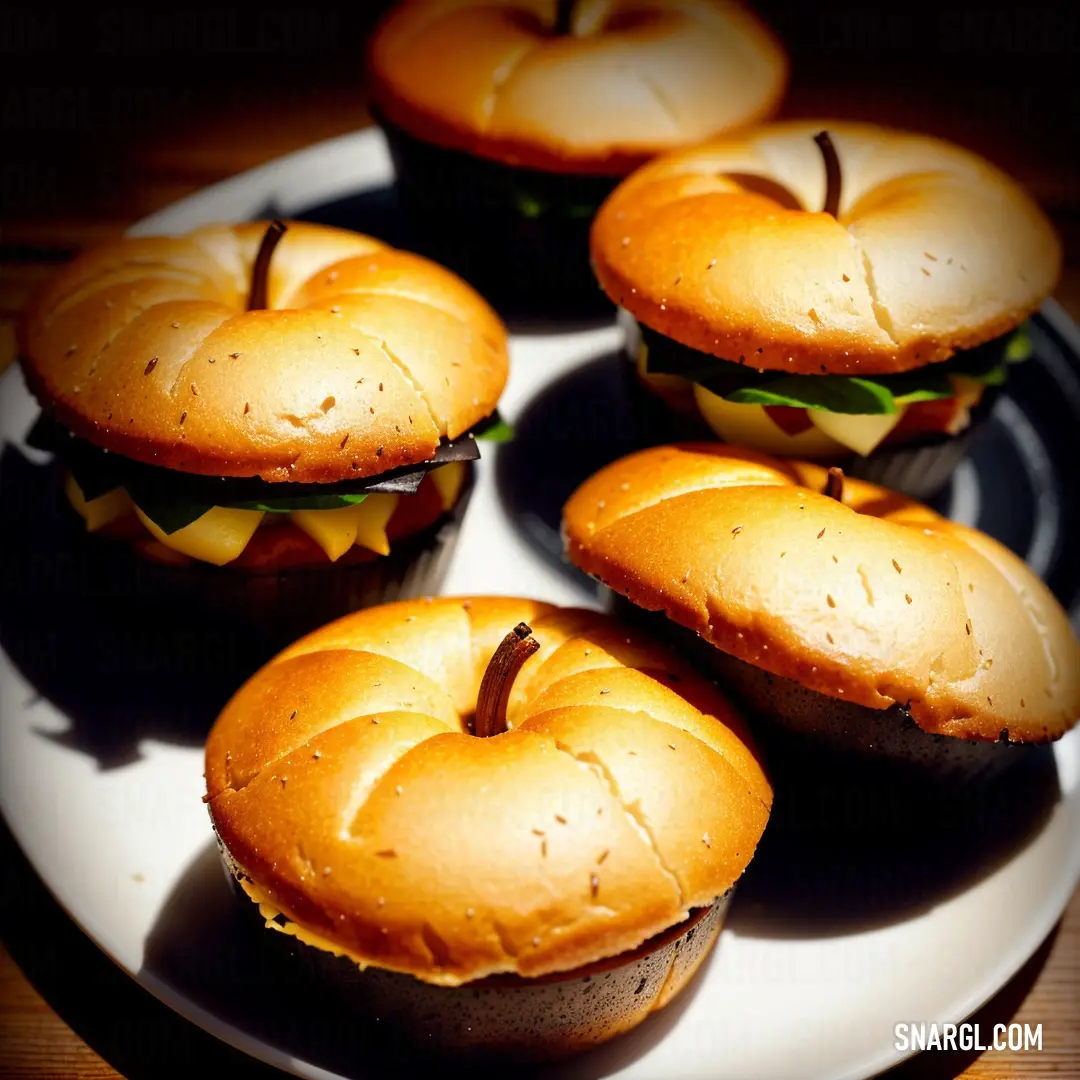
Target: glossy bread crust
x=724 y=248
x=365 y=358
x=632 y=78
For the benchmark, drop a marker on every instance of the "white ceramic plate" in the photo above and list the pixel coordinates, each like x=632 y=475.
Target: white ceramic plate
x=125 y=849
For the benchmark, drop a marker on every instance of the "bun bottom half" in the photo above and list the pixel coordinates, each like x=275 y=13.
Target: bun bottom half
x=845 y=767
x=140 y=618
x=503 y=1017
x=273 y=609
x=520 y=236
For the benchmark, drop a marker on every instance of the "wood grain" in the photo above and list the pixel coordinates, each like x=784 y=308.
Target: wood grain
x=34 y=1041
x=122 y=1030
x=138 y=1034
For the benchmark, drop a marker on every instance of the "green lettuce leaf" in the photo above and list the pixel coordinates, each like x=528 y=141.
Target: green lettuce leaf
x=532 y=207
x=529 y=205
x=838 y=394
x=862 y=395
x=911 y=386
x=171 y=516
x=1019 y=348
x=306 y=502
x=996 y=376
x=498 y=432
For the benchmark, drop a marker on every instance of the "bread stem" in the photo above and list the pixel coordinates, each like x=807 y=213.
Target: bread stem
x=832 y=173
x=261 y=270
x=834 y=486
x=498 y=680
x=564 y=10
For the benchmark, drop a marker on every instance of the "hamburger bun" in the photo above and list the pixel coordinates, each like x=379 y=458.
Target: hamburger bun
x=876 y=601
x=364 y=358
x=725 y=249
x=630 y=79
x=349 y=795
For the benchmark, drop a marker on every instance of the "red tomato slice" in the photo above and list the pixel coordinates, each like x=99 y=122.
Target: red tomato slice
x=788 y=419
x=925 y=416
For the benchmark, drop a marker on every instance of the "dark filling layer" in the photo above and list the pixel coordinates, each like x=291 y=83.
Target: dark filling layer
x=798 y=726
x=173 y=499
x=737 y=380
x=520 y=235
x=457 y=181
x=848 y=727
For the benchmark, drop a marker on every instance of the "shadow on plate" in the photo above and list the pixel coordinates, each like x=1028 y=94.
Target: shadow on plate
x=138 y=1035
x=572 y=428
x=378 y=213
x=120 y=666
x=1021 y=487
x=206 y=947
x=144 y=1039
x=825 y=876
x=589 y=418
x=375 y=212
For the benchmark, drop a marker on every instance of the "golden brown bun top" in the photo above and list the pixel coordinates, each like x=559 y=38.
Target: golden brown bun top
x=365 y=358
x=633 y=77
x=933 y=250
x=343 y=782
x=878 y=601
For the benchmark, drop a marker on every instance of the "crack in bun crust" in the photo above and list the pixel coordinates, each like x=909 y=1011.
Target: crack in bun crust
x=878 y=601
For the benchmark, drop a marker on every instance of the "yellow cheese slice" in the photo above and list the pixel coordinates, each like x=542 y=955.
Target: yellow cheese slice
x=969 y=391
x=98 y=512
x=752 y=427
x=449 y=479
x=335 y=531
x=658 y=382
x=861 y=433
x=217 y=537
x=371 y=528
x=270 y=911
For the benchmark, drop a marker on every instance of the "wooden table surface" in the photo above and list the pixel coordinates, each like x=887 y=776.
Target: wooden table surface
x=65 y=1010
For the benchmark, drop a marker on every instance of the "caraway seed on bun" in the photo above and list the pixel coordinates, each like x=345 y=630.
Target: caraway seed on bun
x=483 y=808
